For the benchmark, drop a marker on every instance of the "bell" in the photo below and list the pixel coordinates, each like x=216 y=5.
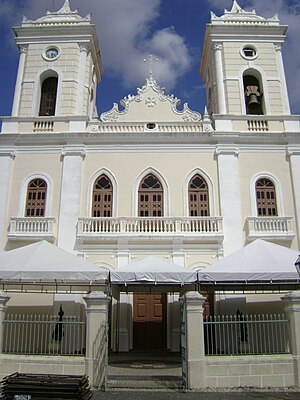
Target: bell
x=253 y=101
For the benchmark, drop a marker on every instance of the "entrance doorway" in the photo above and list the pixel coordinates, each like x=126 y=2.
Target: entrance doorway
x=149 y=320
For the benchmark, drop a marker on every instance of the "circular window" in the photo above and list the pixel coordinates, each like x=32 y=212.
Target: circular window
x=249 y=52
x=151 y=125
x=51 y=54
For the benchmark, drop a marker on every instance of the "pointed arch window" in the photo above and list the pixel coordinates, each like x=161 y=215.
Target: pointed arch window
x=266 y=198
x=150 y=197
x=102 y=197
x=36 y=198
x=198 y=197
x=48 y=97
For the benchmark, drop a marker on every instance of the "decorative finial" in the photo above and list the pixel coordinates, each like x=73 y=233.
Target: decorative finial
x=150 y=60
x=65 y=8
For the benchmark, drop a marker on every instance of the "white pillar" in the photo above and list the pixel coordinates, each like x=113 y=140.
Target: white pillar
x=96 y=337
x=20 y=76
x=292 y=308
x=6 y=162
x=294 y=157
x=70 y=197
x=4 y=298
x=84 y=49
x=230 y=198
x=220 y=78
x=285 y=96
x=195 y=352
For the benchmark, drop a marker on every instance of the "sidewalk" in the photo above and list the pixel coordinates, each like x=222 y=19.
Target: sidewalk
x=172 y=395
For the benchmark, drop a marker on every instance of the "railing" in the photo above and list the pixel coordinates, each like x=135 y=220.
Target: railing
x=28 y=227
x=246 y=334
x=258 y=125
x=144 y=226
x=44 y=335
x=280 y=227
x=43 y=126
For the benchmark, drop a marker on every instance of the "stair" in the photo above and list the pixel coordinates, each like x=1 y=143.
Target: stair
x=144 y=374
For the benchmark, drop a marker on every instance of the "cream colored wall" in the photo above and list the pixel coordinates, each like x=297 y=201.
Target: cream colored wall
x=235 y=64
x=67 y=67
x=127 y=166
x=26 y=165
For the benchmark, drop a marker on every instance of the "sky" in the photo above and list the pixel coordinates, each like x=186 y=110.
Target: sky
x=130 y=30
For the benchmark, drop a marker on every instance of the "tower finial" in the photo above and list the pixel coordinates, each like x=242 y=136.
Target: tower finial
x=151 y=59
x=65 y=8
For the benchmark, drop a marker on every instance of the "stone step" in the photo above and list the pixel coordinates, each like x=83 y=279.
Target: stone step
x=144 y=382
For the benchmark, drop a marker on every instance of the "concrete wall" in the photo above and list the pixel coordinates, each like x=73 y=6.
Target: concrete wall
x=250 y=371
x=41 y=365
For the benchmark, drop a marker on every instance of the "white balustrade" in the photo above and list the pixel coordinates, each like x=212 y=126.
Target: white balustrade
x=270 y=227
x=43 y=126
x=95 y=227
x=30 y=228
x=258 y=125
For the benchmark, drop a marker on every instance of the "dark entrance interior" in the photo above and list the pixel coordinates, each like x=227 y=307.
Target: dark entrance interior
x=149 y=321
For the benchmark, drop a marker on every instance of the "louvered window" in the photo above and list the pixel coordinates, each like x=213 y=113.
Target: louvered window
x=36 y=198
x=266 y=198
x=102 y=197
x=198 y=197
x=151 y=197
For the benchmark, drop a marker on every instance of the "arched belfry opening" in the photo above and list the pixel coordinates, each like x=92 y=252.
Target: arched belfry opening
x=48 y=96
x=253 y=94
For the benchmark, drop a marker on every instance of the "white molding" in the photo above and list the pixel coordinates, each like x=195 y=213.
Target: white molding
x=278 y=191
x=211 y=191
x=23 y=192
x=90 y=185
x=135 y=189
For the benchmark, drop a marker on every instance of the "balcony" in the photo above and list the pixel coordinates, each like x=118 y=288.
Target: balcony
x=204 y=228
x=272 y=228
x=26 y=228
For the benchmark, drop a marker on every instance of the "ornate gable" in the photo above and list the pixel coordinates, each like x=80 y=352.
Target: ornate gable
x=150 y=104
x=238 y=15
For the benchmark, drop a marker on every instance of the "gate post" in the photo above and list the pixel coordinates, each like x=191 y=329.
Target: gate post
x=96 y=337
x=195 y=352
x=4 y=298
x=292 y=308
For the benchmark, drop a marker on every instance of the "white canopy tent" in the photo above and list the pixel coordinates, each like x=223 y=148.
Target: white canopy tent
x=44 y=262
x=153 y=270
x=259 y=261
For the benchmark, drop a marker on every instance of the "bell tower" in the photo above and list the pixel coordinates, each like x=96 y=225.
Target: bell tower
x=59 y=66
x=242 y=64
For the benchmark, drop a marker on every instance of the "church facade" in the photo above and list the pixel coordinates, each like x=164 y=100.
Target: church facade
x=150 y=178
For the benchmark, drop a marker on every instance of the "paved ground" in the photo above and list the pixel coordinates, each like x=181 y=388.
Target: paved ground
x=160 y=395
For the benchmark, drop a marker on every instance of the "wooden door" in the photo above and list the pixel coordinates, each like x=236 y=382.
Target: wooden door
x=149 y=320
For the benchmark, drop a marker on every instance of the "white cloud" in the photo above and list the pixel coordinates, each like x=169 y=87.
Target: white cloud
x=126 y=38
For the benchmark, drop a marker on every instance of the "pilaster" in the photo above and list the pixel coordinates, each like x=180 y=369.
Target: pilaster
x=4 y=298
x=84 y=50
x=294 y=158
x=20 y=76
x=70 y=197
x=195 y=352
x=230 y=197
x=96 y=337
x=292 y=308
x=6 y=164
x=285 y=96
x=220 y=78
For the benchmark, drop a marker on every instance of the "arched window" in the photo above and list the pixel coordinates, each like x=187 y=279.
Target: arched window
x=102 y=197
x=198 y=197
x=150 y=197
x=266 y=198
x=253 y=95
x=36 y=198
x=48 y=97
